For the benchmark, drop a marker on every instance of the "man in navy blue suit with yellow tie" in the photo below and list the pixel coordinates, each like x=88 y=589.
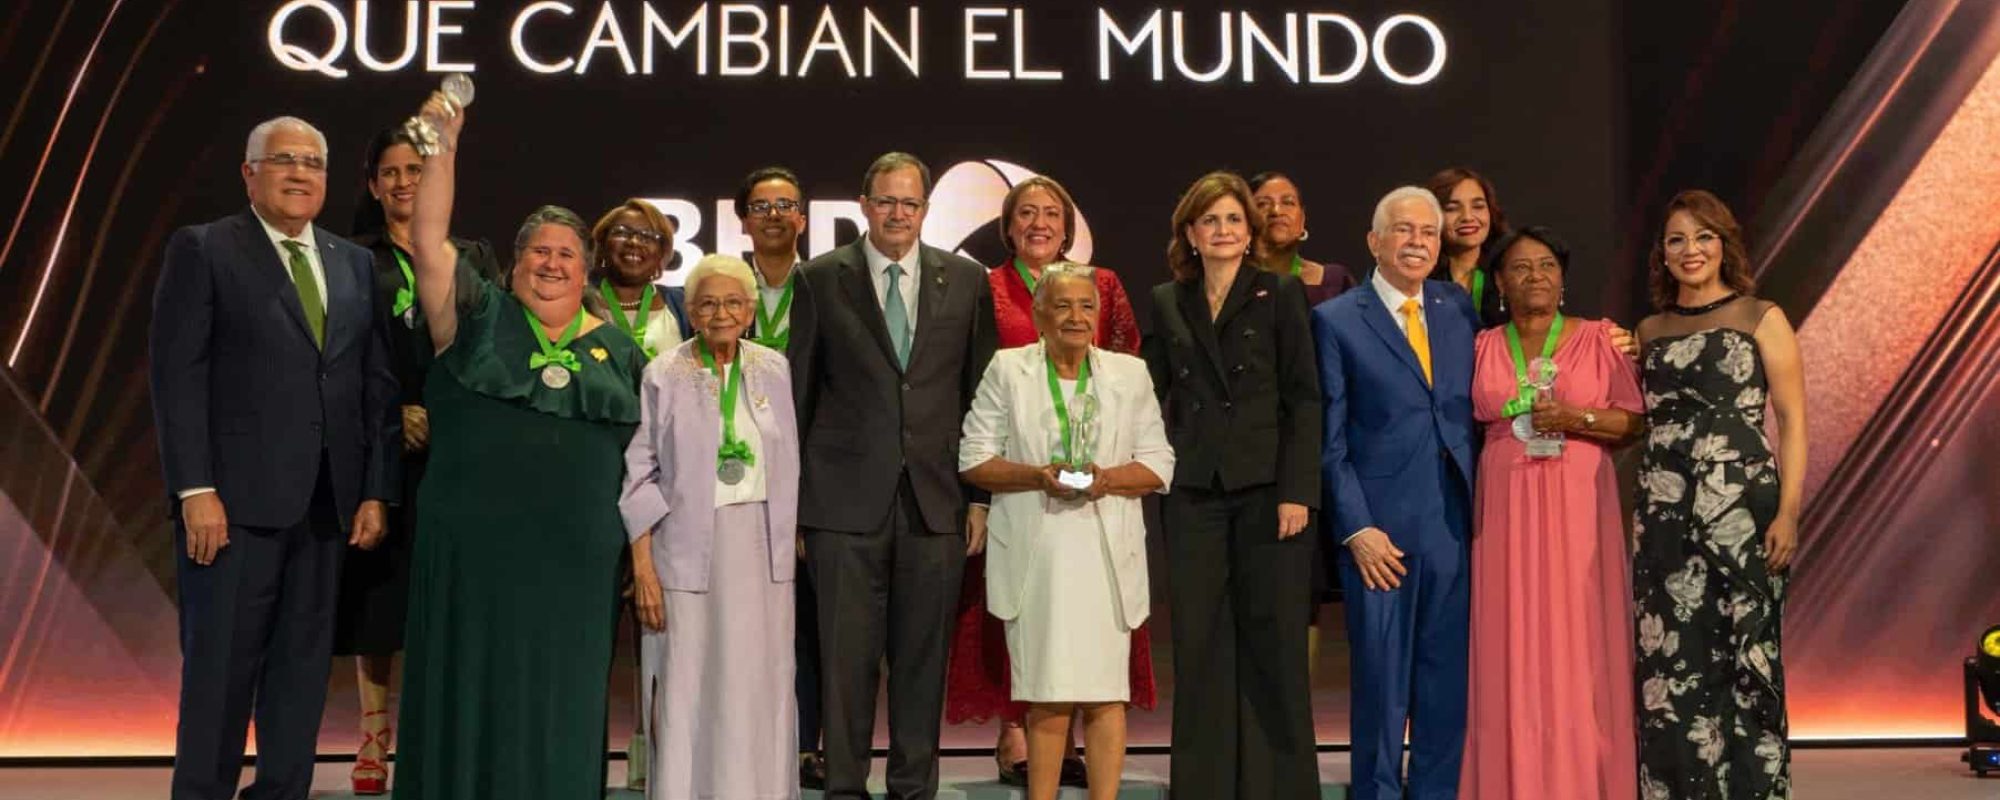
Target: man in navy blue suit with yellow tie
x=1395 y=361
x=280 y=436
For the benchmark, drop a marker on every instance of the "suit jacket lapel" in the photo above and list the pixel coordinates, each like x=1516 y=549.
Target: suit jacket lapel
x=341 y=291
x=860 y=288
x=1194 y=308
x=1239 y=295
x=1383 y=321
x=931 y=293
x=267 y=272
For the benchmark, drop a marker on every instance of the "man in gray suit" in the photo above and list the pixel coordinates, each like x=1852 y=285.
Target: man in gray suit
x=281 y=437
x=889 y=340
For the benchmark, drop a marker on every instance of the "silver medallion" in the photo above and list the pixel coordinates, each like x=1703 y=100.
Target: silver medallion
x=555 y=376
x=1524 y=426
x=730 y=471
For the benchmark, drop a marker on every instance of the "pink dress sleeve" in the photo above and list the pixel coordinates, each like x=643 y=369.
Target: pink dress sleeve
x=1621 y=377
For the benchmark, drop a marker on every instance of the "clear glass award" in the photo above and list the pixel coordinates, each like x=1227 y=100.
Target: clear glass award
x=1542 y=377
x=1082 y=442
x=423 y=130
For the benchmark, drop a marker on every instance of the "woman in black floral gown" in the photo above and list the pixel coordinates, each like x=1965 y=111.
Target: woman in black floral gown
x=1717 y=518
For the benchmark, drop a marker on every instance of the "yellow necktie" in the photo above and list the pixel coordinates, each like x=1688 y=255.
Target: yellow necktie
x=1420 y=340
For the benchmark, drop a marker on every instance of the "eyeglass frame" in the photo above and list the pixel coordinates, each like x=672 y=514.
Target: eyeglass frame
x=783 y=206
x=885 y=204
x=621 y=230
x=308 y=162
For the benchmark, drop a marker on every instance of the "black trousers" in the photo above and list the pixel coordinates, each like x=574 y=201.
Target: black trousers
x=891 y=591
x=805 y=653
x=1242 y=697
x=257 y=638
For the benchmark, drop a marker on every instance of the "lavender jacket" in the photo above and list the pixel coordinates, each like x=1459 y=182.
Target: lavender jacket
x=670 y=464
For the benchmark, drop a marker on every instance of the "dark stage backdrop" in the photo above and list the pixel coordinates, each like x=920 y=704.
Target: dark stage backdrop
x=131 y=118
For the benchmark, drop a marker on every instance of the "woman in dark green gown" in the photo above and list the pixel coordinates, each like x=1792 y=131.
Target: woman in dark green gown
x=513 y=595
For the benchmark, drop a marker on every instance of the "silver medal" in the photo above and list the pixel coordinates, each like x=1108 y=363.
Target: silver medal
x=730 y=471
x=1524 y=426
x=555 y=376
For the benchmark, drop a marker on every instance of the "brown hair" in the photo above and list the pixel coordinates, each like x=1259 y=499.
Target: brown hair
x=1182 y=258
x=1046 y=184
x=659 y=221
x=1449 y=178
x=1709 y=212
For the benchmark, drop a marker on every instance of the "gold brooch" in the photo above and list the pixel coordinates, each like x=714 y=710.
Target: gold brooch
x=599 y=353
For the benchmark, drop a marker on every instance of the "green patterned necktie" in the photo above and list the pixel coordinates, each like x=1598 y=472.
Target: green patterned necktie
x=302 y=277
x=897 y=316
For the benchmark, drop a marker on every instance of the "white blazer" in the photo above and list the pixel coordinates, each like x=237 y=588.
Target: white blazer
x=1010 y=419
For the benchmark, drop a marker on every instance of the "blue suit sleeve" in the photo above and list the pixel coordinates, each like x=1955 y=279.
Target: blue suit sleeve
x=1346 y=502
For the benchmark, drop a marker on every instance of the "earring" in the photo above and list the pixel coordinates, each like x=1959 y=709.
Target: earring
x=1503 y=302
x=1304 y=235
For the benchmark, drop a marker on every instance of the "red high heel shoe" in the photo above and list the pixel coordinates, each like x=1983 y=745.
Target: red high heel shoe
x=370 y=775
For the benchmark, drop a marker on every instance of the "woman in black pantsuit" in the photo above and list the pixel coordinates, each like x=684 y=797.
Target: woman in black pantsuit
x=1231 y=353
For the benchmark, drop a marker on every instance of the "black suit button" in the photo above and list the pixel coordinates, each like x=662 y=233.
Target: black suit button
x=1195 y=406
x=1249 y=332
x=1184 y=372
x=1228 y=406
x=906 y=387
x=1236 y=370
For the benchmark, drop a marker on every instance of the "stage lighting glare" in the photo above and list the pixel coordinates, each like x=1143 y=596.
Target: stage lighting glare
x=1989 y=645
x=1982 y=687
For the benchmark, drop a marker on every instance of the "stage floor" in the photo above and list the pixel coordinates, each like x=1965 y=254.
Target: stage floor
x=1932 y=774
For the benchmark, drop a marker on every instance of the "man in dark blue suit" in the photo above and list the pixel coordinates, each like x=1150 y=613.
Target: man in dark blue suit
x=1395 y=363
x=279 y=432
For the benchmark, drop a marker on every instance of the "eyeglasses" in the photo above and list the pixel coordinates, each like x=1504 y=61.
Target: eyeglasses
x=772 y=208
x=630 y=233
x=734 y=304
x=884 y=204
x=310 y=162
x=1704 y=240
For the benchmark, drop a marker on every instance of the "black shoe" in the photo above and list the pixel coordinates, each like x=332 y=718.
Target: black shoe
x=1015 y=774
x=1074 y=773
x=812 y=771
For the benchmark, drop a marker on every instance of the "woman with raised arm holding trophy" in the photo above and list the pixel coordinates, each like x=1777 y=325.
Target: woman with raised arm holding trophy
x=1066 y=539
x=1551 y=707
x=514 y=584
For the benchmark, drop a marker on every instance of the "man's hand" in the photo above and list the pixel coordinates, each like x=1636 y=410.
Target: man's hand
x=975 y=529
x=1381 y=564
x=416 y=429
x=207 y=526
x=1291 y=520
x=371 y=520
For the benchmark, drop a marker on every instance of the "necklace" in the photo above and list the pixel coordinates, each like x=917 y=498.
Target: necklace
x=1696 y=311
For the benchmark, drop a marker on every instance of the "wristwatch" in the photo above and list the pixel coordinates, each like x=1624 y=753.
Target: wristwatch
x=1589 y=420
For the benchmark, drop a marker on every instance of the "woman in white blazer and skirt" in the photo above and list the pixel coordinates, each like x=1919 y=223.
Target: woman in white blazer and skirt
x=1066 y=536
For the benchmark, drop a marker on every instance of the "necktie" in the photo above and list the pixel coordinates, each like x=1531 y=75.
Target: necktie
x=1420 y=340
x=302 y=277
x=897 y=316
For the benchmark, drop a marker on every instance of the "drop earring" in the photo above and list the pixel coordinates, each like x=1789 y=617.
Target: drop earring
x=1304 y=235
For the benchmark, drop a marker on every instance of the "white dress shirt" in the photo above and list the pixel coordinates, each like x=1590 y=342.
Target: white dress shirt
x=770 y=296
x=1393 y=299
x=305 y=237
x=878 y=271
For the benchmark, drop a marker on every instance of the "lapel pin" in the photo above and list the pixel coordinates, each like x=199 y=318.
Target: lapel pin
x=1263 y=292
x=599 y=353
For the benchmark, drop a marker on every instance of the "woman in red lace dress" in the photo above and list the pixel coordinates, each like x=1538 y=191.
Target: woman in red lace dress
x=1040 y=220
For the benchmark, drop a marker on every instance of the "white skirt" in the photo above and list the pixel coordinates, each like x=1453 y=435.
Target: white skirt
x=1070 y=642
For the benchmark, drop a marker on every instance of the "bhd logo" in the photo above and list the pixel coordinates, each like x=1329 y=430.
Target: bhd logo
x=964 y=218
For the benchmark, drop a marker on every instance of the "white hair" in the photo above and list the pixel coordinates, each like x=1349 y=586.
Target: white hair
x=1060 y=271
x=1399 y=194
x=261 y=135
x=720 y=266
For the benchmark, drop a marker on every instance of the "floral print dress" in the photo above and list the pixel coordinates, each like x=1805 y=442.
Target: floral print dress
x=1711 y=688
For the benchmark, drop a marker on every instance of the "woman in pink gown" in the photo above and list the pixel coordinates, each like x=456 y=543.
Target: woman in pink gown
x=1551 y=706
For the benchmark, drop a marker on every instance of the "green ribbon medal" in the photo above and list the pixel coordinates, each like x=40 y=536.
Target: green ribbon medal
x=1027 y=277
x=1070 y=456
x=733 y=458
x=635 y=327
x=406 y=297
x=1524 y=400
x=555 y=360
x=767 y=324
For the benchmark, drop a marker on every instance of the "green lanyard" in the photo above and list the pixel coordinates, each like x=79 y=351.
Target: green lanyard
x=1027 y=278
x=767 y=324
x=1524 y=401
x=636 y=327
x=1069 y=454
x=1298 y=265
x=407 y=295
x=556 y=352
x=1479 y=288
x=732 y=449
